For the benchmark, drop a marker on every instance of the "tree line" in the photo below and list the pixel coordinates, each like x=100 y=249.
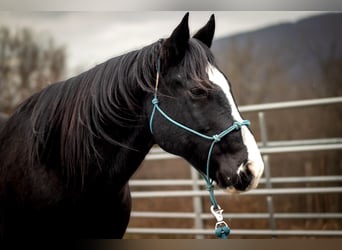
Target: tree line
x=28 y=62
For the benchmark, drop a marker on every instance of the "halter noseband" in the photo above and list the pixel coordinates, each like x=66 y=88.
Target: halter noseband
x=221 y=228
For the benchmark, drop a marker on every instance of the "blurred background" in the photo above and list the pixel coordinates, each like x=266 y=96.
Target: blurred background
x=269 y=57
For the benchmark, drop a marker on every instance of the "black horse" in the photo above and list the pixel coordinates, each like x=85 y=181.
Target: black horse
x=68 y=151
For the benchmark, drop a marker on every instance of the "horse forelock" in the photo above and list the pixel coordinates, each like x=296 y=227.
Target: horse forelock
x=194 y=63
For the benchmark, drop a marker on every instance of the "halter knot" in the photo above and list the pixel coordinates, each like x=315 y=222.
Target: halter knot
x=216 y=138
x=154 y=101
x=237 y=125
x=210 y=187
x=222 y=232
x=243 y=123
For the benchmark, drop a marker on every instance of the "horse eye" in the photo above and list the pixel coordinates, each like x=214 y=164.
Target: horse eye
x=198 y=92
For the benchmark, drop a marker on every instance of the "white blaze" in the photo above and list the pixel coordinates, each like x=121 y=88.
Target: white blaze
x=255 y=162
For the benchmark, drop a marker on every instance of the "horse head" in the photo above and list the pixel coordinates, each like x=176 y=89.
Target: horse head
x=194 y=114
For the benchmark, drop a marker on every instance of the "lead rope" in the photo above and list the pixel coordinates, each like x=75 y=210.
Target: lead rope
x=222 y=229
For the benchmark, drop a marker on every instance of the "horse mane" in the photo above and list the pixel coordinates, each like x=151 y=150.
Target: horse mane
x=70 y=118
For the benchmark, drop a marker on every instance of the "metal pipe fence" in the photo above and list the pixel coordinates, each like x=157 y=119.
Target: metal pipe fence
x=268 y=191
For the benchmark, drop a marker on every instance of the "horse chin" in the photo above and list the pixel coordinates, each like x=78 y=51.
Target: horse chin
x=234 y=190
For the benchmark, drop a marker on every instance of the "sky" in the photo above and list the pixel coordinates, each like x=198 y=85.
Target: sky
x=91 y=37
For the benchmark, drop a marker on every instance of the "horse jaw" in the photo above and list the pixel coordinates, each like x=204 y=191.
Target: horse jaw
x=254 y=164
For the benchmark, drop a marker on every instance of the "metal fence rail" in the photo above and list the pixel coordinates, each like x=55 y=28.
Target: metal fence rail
x=267 y=148
x=234 y=232
x=207 y=216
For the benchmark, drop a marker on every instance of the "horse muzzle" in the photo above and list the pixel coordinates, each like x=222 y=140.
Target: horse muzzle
x=246 y=177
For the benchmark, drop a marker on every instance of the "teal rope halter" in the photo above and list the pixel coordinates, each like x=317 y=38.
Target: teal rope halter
x=221 y=228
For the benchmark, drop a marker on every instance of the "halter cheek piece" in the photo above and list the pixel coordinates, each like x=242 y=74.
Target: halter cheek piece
x=221 y=228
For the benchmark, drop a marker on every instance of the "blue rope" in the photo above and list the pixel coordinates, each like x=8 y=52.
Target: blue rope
x=156 y=107
x=215 y=138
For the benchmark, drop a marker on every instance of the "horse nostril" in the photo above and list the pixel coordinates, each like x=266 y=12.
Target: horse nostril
x=243 y=177
x=243 y=167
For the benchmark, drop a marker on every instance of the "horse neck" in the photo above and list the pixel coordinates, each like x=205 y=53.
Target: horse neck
x=96 y=147
x=134 y=141
x=119 y=147
x=125 y=160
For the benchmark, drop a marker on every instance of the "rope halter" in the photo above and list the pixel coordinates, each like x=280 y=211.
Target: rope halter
x=221 y=228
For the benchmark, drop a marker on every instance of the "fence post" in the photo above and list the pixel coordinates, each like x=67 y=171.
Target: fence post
x=267 y=171
x=197 y=202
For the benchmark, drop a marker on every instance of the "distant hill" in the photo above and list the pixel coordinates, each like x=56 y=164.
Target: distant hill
x=285 y=61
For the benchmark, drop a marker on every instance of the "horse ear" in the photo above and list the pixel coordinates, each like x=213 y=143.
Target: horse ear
x=174 y=47
x=206 y=34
